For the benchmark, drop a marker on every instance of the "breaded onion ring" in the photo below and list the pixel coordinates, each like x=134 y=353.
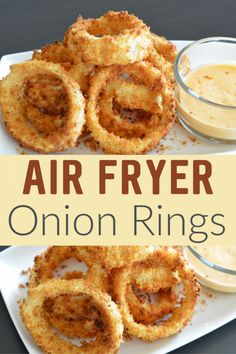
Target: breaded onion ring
x=181 y=314
x=114 y=38
x=35 y=93
x=49 y=261
x=64 y=315
x=143 y=74
x=152 y=293
x=32 y=314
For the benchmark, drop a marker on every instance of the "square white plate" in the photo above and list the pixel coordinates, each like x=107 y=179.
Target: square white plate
x=213 y=310
x=178 y=141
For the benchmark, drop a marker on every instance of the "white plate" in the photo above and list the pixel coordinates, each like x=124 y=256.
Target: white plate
x=178 y=141
x=213 y=309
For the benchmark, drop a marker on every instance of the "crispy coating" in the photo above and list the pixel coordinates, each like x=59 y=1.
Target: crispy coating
x=22 y=86
x=118 y=116
x=164 y=47
x=162 y=56
x=143 y=73
x=32 y=314
x=50 y=260
x=117 y=256
x=147 y=308
x=58 y=53
x=181 y=314
x=150 y=277
x=65 y=313
x=55 y=53
x=114 y=38
x=152 y=293
x=74 y=316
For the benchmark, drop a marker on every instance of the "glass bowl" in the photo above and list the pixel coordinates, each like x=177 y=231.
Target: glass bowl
x=214 y=50
x=210 y=274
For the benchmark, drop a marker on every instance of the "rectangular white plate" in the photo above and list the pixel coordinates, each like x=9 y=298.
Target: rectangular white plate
x=213 y=310
x=178 y=141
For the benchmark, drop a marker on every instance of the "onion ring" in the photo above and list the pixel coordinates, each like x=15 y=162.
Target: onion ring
x=32 y=314
x=112 y=143
x=62 y=312
x=155 y=283
x=41 y=79
x=114 y=38
x=180 y=315
x=48 y=261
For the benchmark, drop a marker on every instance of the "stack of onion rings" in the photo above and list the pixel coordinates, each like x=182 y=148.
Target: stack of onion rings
x=125 y=73
x=143 y=282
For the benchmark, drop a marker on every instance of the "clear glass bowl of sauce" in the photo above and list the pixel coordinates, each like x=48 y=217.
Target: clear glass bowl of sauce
x=205 y=74
x=215 y=266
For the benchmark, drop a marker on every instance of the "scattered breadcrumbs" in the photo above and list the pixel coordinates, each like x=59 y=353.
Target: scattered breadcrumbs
x=25 y=272
x=210 y=295
x=161 y=148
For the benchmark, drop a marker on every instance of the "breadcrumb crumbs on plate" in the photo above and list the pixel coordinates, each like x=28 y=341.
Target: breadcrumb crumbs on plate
x=25 y=272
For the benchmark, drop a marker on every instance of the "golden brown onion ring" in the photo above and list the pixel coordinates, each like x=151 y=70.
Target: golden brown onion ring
x=50 y=260
x=181 y=314
x=14 y=100
x=152 y=294
x=32 y=314
x=141 y=73
x=114 y=38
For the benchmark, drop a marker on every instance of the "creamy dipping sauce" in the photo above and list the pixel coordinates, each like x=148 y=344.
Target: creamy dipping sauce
x=224 y=256
x=216 y=83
